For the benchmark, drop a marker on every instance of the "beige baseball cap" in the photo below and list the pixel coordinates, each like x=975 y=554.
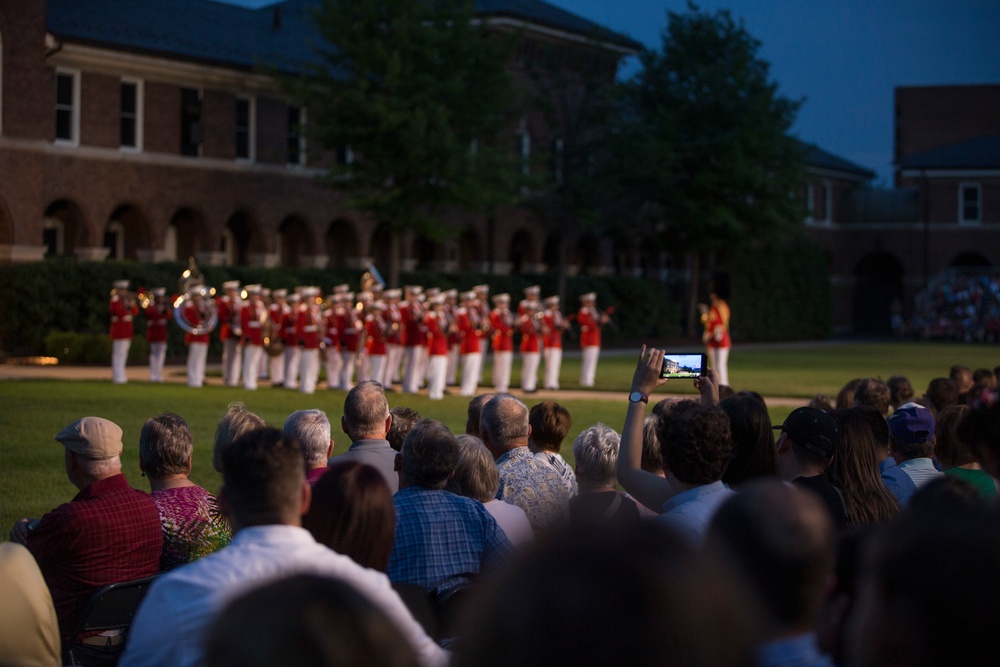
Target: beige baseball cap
x=93 y=437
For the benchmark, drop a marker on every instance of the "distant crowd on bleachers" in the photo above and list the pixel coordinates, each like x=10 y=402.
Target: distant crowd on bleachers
x=957 y=306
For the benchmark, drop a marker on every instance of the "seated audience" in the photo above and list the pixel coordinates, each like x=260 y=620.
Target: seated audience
x=652 y=453
x=900 y=390
x=193 y=525
x=875 y=394
x=911 y=443
x=366 y=421
x=962 y=377
x=306 y=620
x=476 y=476
x=781 y=540
x=595 y=451
x=525 y=481
x=941 y=392
x=236 y=422
x=442 y=540
x=754 y=454
x=403 y=420
x=264 y=495
x=845 y=397
x=855 y=470
x=956 y=457
x=895 y=480
x=352 y=513
x=550 y=422
x=806 y=447
x=29 y=632
x=980 y=430
x=475 y=411
x=311 y=429
x=982 y=378
x=696 y=446
x=109 y=532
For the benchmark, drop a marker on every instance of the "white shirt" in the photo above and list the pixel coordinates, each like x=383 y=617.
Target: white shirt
x=513 y=520
x=173 y=621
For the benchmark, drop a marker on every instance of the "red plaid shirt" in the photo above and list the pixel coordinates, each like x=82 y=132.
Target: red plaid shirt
x=108 y=533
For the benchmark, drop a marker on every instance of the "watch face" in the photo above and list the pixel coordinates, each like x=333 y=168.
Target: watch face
x=636 y=397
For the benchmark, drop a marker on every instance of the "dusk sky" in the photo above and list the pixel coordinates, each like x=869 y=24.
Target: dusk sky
x=844 y=57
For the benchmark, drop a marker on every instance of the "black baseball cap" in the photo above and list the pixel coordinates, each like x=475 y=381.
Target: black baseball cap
x=812 y=429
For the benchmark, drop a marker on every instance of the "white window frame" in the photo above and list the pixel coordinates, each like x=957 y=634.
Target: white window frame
x=810 y=202
x=74 y=140
x=60 y=228
x=118 y=229
x=251 y=101
x=961 y=203
x=140 y=95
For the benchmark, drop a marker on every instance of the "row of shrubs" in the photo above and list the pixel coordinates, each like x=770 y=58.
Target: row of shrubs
x=60 y=306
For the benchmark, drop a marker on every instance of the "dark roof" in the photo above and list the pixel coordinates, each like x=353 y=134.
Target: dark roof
x=280 y=33
x=821 y=159
x=978 y=153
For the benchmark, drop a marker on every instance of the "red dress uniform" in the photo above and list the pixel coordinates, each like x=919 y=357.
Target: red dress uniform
x=414 y=334
x=157 y=316
x=228 y=312
x=289 y=328
x=552 y=328
x=376 y=327
x=331 y=328
x=348 y=326
x=307 y=326
x=590 y=327
x=252 y=315
x=467 y=320
x=121 y=318
x=529 y=334
x=194 y=317
x=437 y=336
x=503 y=330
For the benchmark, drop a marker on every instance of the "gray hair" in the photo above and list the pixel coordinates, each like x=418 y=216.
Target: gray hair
x=652 y=457
x=476 y=475
x=100 y=467
x=312 y=430
x=596 y=454
x=165 y=445
x=236 y=422
x=504 y=420
x=366 y=409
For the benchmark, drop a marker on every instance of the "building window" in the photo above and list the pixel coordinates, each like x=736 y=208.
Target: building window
x=245 y=123
x=131 y=114
x=970 y=203
x=296 y=136
x=54 y=237
x=191 y=131
x=524 y=147
x=67 y=106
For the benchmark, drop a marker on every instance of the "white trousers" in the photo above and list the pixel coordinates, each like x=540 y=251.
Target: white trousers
x=231 y=360
x=719 y=359
x=157 y=358
x=197 y=354
x=378 y=368
x=452 y=371
x=293 y=359
x=119 y=357
x=553 y=362
x=348 y=361
x=277 y=368
x=502 y=362
x=588 y=366
x=309 y=370
x=437 y=365
x=471 y=365
x=413 y=378
x=334 y=363
x=251 y=364
x=393 y=358
x=529 y=370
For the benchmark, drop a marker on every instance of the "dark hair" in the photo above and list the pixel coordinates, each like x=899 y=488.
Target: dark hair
x=475 y=411
x=352 y=513
x=980 y=429
x=984 y=377
x=754 y=453
x=430 y=455
x=900 y=390
x=550 y=422
x=306 y=619
x=874 y=393
x=403 y=419
x=262 y=475
x=696 y=442
x=855 y=469
x=960 y=375
x=165 y=445
x=845 y=397
x=942 y=392
x=950 y=450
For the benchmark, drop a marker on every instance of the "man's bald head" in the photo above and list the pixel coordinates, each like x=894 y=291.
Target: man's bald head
x=504 y=424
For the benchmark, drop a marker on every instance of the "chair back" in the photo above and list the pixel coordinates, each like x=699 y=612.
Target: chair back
x=100 y=636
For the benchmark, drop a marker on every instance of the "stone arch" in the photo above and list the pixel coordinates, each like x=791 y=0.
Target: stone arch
x=587 y=256
x=341 y=244
x=126 y=232
x=521 y=251
x=185 y=235
x=295 y=241
x=63 y=229
x=241 y=238
x=878 y=282
x=970 y=259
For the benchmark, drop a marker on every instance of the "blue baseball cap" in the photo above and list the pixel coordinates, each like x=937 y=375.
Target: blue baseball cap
x=911 y=423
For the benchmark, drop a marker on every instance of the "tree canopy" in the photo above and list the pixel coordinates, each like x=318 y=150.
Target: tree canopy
x=417 y=91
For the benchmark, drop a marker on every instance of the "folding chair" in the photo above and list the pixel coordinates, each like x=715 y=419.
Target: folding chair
x=100 y=636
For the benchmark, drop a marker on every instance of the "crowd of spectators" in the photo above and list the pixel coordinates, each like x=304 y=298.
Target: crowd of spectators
x=861 y=532
x=957 y=306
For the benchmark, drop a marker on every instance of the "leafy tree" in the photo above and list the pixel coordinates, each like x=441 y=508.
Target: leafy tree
x=418 y=92
x=706 y=163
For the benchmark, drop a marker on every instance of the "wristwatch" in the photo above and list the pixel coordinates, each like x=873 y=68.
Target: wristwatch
x=637 y=397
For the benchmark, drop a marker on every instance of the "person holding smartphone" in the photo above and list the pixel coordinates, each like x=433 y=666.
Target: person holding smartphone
x=715 y=317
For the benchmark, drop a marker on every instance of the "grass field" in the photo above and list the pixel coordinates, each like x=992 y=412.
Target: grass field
x=32 y=479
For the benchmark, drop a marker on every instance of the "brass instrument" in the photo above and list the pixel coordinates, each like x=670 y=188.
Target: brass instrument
x=192 y=281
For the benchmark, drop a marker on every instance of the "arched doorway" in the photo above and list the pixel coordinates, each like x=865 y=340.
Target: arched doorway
x=240 y=238
x=62 y=228
x=341 y=244
x=878 y=282
x=294 y=241
x=126 y=232
x=185 y=234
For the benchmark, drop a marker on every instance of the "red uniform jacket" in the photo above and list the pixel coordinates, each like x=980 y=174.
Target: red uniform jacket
x=348 y=325
x=252 y=315
x=376 y=328
x=467 y=320
x=530 y=331
x=590 y=327
x=229 y=315
x=503 y=330
x=552 y=328
x=194 y=317
x=157 y=317
x=307 y=326
x=414 y=332
x=437 y=336
x=289 y=327
x=331 y=328
x=121 y=318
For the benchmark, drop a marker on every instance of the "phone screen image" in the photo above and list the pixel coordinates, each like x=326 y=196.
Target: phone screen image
x=682 y=365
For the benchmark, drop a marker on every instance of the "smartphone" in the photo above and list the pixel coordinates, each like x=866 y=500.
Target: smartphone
x=677 y=365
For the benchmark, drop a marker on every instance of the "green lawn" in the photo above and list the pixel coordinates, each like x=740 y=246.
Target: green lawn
x=32 y=479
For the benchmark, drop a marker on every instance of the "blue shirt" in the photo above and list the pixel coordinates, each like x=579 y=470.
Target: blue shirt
x=897 y=481
x=443 y=540
x=690 y=512
x=534 y=486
